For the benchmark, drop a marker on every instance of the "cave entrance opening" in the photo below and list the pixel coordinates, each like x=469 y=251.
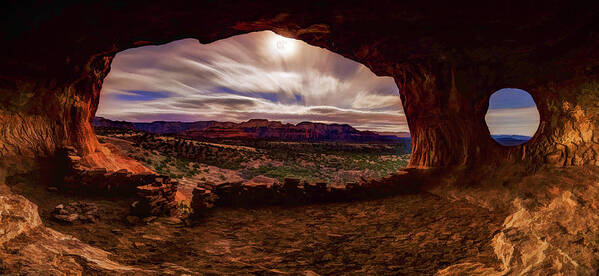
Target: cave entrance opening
x=257 y=108
x=512 y=117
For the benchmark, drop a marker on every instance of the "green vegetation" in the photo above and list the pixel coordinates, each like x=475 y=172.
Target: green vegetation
x=184 y=208
x=311 y=161
x=331 y=166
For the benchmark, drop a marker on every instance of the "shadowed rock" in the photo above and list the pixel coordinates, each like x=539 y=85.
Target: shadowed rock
x=22 y=236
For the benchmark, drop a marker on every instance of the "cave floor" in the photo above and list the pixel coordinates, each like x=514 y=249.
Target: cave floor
x=414 y=234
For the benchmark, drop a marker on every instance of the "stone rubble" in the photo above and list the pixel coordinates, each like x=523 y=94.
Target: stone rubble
x=262 y=190
x=202 y=199
x=76 y=212
x=155 y=193
x=156 y=199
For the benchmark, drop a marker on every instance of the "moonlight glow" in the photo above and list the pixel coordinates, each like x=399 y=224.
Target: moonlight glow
x=283 y=46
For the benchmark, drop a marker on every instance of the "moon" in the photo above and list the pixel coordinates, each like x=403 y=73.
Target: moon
x=283 y=46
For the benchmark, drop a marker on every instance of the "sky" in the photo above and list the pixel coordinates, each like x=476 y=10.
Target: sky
x=256 y=75
x=512 y=111
x=262 y=75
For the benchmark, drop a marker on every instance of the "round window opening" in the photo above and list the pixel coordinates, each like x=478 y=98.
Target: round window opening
x=512 y=117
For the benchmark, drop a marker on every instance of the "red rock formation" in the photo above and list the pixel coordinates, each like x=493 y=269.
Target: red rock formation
x=102 y=123
x=274 y=130
x=162 y=127
x=252 y=129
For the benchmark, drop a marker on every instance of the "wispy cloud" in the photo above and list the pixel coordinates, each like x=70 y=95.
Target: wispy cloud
x=245 y=77
x=134 y=96
x=521 y=121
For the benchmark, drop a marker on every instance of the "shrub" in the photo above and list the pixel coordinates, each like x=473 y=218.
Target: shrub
x=184 y=208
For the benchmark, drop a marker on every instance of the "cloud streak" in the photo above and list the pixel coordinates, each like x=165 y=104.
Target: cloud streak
x=251 y=76
x=512 y=111
x=245 y=77
x=520 y=121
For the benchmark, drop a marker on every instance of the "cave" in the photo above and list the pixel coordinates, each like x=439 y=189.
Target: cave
x=447 y=60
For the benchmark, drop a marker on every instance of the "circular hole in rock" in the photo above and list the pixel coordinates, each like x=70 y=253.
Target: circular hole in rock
x=512 y=117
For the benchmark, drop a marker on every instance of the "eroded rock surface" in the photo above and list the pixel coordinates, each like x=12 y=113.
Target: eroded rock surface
x=551 y=232
x=559 y=238
x=17 y=215
x=410 y=234
x=28 y=247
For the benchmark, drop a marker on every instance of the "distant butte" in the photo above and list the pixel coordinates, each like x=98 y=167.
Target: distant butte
x=259 y=129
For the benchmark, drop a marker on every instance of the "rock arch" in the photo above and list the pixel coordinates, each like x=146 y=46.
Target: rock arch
x=446 y=61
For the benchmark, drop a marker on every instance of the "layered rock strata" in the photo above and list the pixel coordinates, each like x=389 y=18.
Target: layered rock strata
x=254 y=129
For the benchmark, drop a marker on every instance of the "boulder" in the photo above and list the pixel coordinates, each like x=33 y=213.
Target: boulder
x=17 y=215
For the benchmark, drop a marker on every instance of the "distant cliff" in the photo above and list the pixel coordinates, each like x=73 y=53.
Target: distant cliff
x=100 y=122
x=258 y=129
